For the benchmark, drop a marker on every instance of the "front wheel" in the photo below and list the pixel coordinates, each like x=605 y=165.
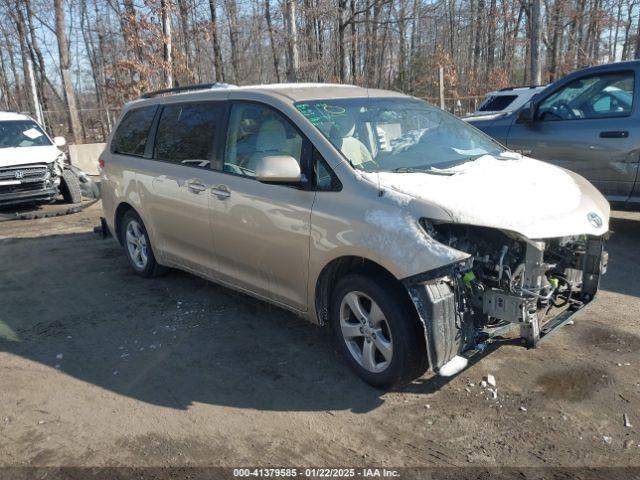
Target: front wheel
x=377 y=331
x=70 y=187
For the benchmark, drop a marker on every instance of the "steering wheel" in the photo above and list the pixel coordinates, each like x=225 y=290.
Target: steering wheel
x=565 y=111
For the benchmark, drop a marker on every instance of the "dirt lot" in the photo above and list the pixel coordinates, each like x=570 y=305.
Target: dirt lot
x=99 y=367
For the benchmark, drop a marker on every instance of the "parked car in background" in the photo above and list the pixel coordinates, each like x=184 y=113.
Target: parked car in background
x=503 y=101
x=32 y=167
x=587 y=122
x=414 y=250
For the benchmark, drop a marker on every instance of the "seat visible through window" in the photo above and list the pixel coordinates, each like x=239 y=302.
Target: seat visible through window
x=257 y=131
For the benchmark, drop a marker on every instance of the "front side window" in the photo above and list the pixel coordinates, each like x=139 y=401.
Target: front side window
x=257 y=131
x=22 y=133
x=131 y=135
x=186 y=133
x=396 y=134
x=597 y=96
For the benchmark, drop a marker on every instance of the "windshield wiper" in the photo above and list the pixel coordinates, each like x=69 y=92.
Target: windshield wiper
x=430 y=170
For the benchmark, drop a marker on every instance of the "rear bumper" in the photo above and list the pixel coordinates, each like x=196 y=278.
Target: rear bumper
x=15 y=198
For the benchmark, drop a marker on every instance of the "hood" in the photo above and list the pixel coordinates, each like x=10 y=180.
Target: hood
x=28 y=155
x=488 y=120
x=515 y=193
x=484 y=116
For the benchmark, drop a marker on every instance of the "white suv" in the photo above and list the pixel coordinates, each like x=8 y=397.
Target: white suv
x=503 y=101
x=32 y=168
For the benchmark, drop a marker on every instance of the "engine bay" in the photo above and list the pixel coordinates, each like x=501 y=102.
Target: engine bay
x=514 y=281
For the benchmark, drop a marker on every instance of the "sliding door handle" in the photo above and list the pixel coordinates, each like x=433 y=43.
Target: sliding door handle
x=614 y=134
x=195 y=186
x=221 y=191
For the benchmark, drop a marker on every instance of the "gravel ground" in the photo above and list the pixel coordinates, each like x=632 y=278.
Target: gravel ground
x=99 y=367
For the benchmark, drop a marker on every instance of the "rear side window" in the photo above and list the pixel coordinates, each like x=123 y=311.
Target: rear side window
x=186 y=133
x=131 y=135
x=495 y=103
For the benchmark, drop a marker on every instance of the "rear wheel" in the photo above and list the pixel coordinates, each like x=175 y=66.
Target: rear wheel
x=377 y=331
x=138 y=246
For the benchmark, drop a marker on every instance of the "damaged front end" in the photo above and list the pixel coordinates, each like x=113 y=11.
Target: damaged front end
x=507 y=283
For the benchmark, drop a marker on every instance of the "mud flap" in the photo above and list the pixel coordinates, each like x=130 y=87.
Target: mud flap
x=436 y=307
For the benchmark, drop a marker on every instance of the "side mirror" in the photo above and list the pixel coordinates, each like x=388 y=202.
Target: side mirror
x=59 y=141
x=278 y=169
x=527 y=113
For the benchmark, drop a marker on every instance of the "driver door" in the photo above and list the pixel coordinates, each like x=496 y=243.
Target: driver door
x=262 y=230
x=587 y=126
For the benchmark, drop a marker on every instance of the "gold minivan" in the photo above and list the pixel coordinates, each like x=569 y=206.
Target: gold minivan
x=414 y=236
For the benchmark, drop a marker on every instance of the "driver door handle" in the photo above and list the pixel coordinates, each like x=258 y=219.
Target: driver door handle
x=221 y=191
x=614 y=134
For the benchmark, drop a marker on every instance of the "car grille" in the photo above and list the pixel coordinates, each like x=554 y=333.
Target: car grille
x=23 y=187
x=28 y=173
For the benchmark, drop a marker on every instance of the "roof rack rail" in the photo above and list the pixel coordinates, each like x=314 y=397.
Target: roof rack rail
x=186 y=88
x=519 y=86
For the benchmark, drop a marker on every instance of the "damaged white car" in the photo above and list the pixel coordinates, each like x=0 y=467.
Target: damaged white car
x=413 y=235
x=32 y=168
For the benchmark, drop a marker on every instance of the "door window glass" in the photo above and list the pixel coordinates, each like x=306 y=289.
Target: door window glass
x=130 y=137
x=186 y=133
x=598 y=96
x=256 y=131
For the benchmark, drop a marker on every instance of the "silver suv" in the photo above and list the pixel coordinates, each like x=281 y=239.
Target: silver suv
x=410 y=233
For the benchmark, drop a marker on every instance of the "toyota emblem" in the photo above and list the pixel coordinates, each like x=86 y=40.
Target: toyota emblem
x=594 y=219
x=18 y=174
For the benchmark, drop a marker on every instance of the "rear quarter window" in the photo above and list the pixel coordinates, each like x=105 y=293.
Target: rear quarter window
x=130 y=138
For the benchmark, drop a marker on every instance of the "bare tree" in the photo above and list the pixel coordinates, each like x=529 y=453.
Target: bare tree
x=165 y=11
x=67 y=83
x=536 y=36
x=217 y=52
x=274 y=52
x=293 y=61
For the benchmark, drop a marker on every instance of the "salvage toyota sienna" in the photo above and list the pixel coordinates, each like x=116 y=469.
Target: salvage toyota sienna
x=414 y=236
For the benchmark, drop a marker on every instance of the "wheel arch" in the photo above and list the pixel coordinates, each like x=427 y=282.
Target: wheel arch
x=338 y=268
x=119 y=214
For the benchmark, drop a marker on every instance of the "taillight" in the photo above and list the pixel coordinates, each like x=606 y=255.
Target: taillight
x=100 y=163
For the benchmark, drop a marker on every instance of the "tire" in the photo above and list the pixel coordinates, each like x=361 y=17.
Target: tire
x=70 y=187
x=399 y=329
x=143 y=263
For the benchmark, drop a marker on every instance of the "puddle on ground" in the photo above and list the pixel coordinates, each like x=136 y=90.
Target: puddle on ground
x=573 y=384
x=610 y=339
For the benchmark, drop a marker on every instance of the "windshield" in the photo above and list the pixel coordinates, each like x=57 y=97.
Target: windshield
x=396 y=134
x=22 y=133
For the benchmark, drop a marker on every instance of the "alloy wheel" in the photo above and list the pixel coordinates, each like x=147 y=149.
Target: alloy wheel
x=137 y=244
x=366 y=332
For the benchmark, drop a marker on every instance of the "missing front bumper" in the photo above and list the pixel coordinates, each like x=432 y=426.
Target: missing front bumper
x=451 y=326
